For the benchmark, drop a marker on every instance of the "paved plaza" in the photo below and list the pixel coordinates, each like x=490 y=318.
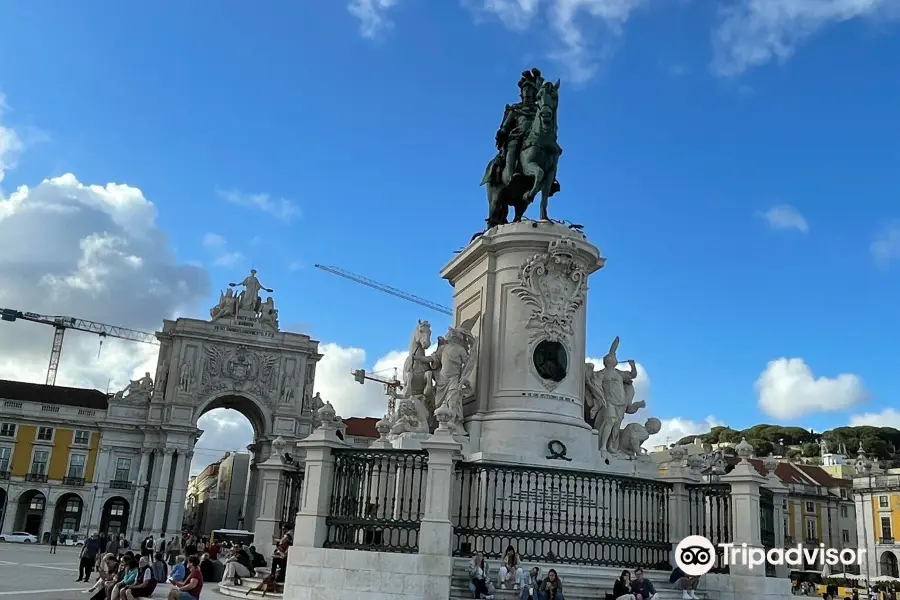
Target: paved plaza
x=28 y=570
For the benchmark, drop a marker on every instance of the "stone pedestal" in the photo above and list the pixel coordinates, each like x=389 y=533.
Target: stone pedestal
x=309 y=527
x=268 y=519
x=529 y=283
x=745 y=482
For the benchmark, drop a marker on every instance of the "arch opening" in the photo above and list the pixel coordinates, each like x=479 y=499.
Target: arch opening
x=68 y=515
x=221 y=494
x=114 y=518
x=888 y=564
x=30 y=512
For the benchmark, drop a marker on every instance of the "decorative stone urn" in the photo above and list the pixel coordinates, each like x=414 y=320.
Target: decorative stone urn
x=744 y=450
x=383 y=427
x=770 y=463
x=326 y=415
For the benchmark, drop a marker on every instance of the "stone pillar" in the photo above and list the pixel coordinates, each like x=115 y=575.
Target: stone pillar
x=47 y=521
x=309 y=527
x=162 y=485
x=9 y=511
x=435 y=529
x=101 y=473
x=745 y=482
x=179 y=485
x=680 y=476
x=268 y=518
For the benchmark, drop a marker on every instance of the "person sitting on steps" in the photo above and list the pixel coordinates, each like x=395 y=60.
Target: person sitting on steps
x=479 y=584
x=686 y=583
x=510 y=572
x=622 y=587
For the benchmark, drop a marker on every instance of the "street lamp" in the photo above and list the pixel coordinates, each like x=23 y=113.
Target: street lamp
x=90 y=512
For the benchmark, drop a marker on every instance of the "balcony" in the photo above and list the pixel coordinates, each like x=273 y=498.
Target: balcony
x=812 y=541
x=789 y=540
x=119 y=484
x=73 y=481
x=886 y=540
x=36 y=477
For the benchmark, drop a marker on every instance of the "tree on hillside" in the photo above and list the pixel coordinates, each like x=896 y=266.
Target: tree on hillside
x=761 y=447
x=810 y=449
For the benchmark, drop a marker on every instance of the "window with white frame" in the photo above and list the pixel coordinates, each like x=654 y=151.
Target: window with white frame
x=811 y=507
x=886 y=529
x=812 y=529
x=5 y=458
x=76 y=465
x=37 y=502
x=73 y=505
x=123 y=469
x=844 y=512
x=7 y=430
x=39 y=462
x=82 y=437
x=883 y=502
x=45 y=434
x=117 y=509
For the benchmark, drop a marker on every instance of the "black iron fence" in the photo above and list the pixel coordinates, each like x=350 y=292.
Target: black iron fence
x=767 y=524
x=709 y=515
x=376 y=500
x=292 y=485
x=552 y=515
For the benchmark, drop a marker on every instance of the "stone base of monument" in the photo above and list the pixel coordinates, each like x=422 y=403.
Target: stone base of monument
x=616 y=465
x=314 y=573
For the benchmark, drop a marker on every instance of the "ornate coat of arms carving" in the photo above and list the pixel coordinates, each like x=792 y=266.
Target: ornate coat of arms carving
x=553 y=286
x=239 y=369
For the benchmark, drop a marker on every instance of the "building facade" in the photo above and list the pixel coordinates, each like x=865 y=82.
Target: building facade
x=216 y=496
x=49 y=445
x=877 y=497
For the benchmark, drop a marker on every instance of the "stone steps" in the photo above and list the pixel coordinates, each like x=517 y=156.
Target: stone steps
x=247 y=584
x=458 y=592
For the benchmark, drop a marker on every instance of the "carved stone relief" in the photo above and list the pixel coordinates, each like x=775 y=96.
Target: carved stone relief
x=552 y=285
x=240 y=369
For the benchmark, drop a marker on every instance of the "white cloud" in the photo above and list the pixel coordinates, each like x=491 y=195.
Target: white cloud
x=885 y=246
x=10 y=143
x=218 y=246
x=92 y=252
x=676 y=428
x=751 y=33
x=280 y=208
x=224 y=430
x=785 y=217
x=787 y=389
x=888 y=417
x=372 y=15
x=579 y=52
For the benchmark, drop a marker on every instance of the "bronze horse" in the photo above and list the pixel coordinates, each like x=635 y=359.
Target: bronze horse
x=536 y=168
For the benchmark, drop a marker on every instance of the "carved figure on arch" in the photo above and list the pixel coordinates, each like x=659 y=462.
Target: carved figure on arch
x=248 y=299
x=315 y=403
x=186 y=377
x=268 y=314
x=227 y=306
x=456 y=358
x=609 y=393
x=137 y=389
x=288 y=383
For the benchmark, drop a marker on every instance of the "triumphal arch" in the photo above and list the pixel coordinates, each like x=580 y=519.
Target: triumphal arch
x=238 y=359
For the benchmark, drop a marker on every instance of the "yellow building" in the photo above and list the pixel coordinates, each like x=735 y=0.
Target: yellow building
x=49 y=444
x=877 y=496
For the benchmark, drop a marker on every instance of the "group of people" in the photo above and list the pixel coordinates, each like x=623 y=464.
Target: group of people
x=128 y=576
x=532 y=586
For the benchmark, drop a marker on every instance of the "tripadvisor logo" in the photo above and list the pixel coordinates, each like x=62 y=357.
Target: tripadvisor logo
x=696 y=555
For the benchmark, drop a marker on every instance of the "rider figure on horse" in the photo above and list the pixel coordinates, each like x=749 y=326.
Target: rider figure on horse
x=508 y=185
x=517 y=120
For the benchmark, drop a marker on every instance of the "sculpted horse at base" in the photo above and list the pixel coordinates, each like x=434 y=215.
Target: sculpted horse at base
x=537 y=165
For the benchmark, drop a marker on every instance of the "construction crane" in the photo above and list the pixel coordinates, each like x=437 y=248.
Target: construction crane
x=386 y=289
x=60 y=324
x=391 y=386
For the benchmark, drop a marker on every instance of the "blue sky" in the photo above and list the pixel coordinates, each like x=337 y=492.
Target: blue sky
x=360 y=143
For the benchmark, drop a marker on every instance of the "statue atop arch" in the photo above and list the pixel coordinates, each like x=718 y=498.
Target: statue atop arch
x=246 y=306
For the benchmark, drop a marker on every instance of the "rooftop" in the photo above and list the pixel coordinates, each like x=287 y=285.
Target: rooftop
x=53 y=394
x=362 y=427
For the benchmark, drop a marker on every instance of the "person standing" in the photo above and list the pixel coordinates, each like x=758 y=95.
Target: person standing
x=89 y=553
x=54 y=540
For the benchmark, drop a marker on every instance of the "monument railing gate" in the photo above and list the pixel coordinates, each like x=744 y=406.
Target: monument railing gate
x=562 y=516
x=377 y=498
x=710 y=515
x=290 y=499
x=767 y=524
